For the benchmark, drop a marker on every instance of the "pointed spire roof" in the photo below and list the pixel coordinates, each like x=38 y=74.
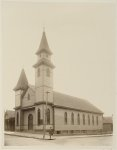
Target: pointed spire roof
x=44 y=45
x=22 y=83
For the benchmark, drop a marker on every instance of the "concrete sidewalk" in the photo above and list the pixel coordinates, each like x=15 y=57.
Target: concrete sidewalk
x=40 y=136
x=25 y=134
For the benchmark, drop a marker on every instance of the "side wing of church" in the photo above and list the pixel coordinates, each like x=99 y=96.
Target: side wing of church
x=38 y=105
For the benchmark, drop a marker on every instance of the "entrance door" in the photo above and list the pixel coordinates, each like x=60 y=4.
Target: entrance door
x=30 y=122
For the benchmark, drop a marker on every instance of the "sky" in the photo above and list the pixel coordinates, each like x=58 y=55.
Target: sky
x=82 y=39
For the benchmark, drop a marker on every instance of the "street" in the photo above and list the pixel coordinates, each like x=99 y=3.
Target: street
x=66 y=141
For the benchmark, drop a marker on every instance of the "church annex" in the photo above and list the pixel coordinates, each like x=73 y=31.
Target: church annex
x=37 y=105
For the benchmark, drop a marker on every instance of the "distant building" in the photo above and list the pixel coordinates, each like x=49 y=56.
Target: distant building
x=107 y=124
x=9 y=121
x=64 y=113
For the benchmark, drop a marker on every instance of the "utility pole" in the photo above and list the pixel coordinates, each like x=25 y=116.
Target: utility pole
x=45 y=119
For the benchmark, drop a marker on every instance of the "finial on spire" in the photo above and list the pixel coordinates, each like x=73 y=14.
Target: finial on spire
x=43 y=44
x=43 y=28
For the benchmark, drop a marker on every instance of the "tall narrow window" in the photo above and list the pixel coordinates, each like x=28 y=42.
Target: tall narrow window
x=48 y=72
x=39 y=117
x=83 y=119
x=72 y=118
x=17 y=119
x=48 y=116
x=28 y=96
x=97 y=120
x=38 y=72
x=88 y=120
x=65 y=117
x=93 y=120
x=78 y=119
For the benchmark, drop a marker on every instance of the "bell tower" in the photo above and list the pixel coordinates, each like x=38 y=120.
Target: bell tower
x=44 y=72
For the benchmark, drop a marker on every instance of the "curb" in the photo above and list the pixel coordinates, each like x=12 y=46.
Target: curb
x=23 y=136
x=28 y=136
x=59 y=136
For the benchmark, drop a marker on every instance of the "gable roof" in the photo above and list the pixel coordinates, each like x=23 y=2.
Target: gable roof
x=22 y=83
x=32 y=87
x=71 y=102
x=74 y=103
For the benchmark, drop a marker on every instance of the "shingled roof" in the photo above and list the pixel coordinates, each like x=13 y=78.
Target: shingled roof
x=66 y=101
x=44 y=45
x=74 y=103
x=22 y=83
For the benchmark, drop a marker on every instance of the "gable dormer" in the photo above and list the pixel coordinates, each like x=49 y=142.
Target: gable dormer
x=29 y=97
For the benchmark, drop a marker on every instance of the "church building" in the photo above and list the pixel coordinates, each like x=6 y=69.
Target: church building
x=38 y=107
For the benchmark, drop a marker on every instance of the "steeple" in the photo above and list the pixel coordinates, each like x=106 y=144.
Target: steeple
x=44 y=53
x=44 y=45
x=22 y=83
x=44 y=72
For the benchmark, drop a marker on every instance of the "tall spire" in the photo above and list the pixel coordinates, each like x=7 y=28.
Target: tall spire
x=22 y=83
x=43 y=44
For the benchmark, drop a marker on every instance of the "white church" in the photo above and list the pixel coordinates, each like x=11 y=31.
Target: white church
x=38 y=107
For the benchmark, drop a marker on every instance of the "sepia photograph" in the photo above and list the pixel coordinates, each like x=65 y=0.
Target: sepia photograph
x=58 y=75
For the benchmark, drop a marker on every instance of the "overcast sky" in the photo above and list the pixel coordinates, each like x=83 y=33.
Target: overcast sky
x=82 y=39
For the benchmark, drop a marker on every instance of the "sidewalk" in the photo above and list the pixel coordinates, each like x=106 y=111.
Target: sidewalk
x=40 y=136
x=24 y=134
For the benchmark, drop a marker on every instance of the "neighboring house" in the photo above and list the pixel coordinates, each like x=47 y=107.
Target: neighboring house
x=9 y=120
x=107 y=124
x=64 y=113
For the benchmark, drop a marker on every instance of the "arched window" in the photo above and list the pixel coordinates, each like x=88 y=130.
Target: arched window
x=48 y=116
x=38 y=72
x=17 y=119
x=28 y=96
x=83 y=119
x=65 y=117
x=72 y=118
x=39 y=117
x=78 y=119
x=93 y=120
x=88 y=120
x=48 y=72
x=97 y=120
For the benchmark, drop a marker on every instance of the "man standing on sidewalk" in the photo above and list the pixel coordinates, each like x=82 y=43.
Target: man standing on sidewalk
x=50 y=132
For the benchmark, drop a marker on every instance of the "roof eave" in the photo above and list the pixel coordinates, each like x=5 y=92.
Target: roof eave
x=44 y=63
x=88 y=111
x=41 y=50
